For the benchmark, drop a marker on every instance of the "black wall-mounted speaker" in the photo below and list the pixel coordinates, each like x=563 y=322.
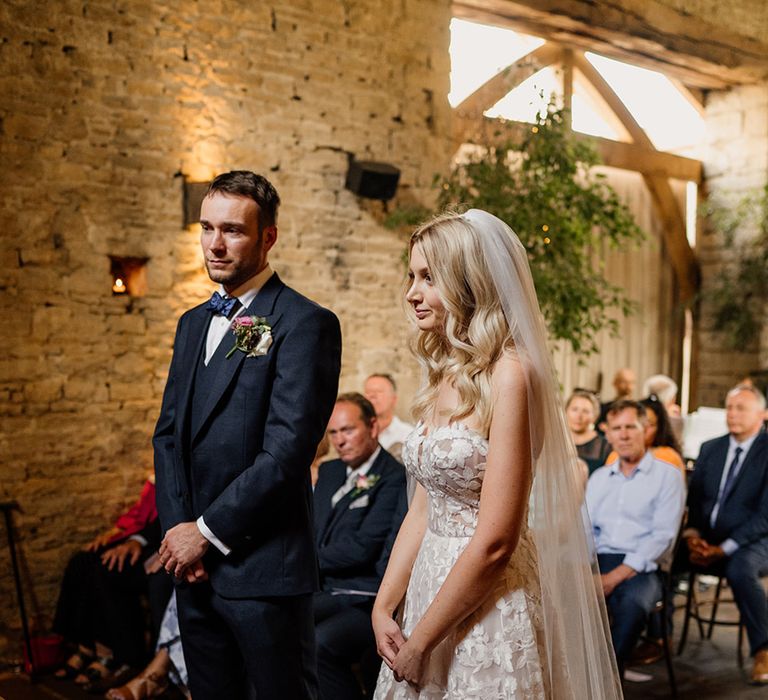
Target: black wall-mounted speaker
x=372 y=180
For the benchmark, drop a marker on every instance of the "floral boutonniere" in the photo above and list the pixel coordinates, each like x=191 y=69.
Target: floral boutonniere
x=253 y=335
x=365 y=482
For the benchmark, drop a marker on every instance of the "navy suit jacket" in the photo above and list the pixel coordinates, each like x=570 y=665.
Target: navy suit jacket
x=351 y=535
x=743 y=516
x=244 y=464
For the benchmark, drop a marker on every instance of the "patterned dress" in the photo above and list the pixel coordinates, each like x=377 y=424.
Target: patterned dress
x=496 y=652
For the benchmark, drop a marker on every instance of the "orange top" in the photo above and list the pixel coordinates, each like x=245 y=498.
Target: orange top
x=665 y=454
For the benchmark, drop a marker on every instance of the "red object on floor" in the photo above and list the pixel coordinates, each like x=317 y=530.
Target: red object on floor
x=47 y=653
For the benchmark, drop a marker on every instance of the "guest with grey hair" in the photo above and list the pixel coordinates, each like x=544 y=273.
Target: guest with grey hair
x=381 y=390
x=664 y=388
x=727 y=531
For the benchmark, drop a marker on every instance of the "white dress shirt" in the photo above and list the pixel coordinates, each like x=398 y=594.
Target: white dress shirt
x=352 y=476
x=217 y=329
x=245 y=293
x=395 y=432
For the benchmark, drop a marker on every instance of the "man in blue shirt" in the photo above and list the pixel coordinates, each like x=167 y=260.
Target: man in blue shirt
x=635 y=504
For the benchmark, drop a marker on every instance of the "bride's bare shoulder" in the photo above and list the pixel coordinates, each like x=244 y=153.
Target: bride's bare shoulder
x=508 y=374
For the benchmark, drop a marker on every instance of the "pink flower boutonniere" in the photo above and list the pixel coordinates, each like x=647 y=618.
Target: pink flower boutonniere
x=253 y=335
x=364 y=482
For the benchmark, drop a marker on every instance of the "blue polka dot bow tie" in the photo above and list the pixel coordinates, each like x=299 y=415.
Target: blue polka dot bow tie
x=221 y=305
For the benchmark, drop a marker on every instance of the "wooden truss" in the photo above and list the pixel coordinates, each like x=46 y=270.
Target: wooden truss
x=639 y=155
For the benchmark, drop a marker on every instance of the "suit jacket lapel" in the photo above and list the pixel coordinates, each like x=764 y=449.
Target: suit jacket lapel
x=336 y=475
x=753 y=457
x=341 y=507
x=198 y=330
x=262 y=305
x=718 y=460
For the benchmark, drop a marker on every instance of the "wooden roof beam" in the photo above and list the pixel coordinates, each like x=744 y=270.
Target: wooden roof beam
x=645 y=33
x=617 y=154
x=506 y=80
x=679 y=250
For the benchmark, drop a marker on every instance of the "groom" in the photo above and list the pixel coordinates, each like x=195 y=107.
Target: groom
x=251 y=386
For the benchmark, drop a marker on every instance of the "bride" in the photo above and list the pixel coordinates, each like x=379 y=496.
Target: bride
x=501 y=599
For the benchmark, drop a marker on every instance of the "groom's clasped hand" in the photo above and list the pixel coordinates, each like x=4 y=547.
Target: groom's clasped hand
x=181 y=552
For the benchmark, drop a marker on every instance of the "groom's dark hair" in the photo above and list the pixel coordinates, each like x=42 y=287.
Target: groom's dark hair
x=367 y=411
x=245 y=183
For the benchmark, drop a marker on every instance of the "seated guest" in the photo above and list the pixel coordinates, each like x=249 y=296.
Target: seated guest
x=624 y=384
x=727 y=530
x=581 y=412
x=99 y=610
x=664 y=388
x=167 y=666
x=659 y=437
x=323 y=448
x=635 y=505
x=135 y=519
x=356 y=498
x=662 y=442
x=381 y=391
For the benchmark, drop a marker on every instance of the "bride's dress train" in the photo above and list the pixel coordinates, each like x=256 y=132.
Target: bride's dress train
x=498 y=652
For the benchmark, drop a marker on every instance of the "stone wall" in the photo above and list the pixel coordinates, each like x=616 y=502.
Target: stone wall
x=103 y=103
x=736 y=163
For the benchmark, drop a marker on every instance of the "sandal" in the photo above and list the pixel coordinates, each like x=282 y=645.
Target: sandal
x=98 y=669
x=123 y=674
x=141 y=687
x=73 y=666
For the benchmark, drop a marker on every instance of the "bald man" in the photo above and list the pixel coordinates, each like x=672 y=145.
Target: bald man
x=624 y=382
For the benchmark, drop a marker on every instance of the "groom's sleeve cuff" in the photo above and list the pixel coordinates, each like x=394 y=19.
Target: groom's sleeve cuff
x=215 y=541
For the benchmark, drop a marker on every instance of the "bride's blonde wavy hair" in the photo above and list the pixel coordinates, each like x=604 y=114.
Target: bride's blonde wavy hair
x=475 y=333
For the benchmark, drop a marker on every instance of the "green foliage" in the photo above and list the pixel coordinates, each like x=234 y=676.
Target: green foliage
x=543 y=187
x=740 y=296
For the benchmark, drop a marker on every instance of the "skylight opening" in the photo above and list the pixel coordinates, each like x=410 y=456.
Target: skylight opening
x=479 y=51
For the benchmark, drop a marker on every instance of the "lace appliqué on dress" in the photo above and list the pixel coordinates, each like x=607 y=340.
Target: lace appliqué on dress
x=495 y=654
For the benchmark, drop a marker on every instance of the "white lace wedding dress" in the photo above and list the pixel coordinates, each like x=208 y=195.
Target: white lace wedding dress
x=497 y=653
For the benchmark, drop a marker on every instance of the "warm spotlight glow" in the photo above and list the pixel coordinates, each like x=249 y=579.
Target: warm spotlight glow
x=119 y=287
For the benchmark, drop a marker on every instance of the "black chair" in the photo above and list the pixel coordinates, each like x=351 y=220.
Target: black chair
x=666 y=573
x=663 y=606
x=693 y=611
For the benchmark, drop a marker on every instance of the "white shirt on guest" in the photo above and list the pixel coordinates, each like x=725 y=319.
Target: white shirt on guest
x=394 y=433
x=353 y=475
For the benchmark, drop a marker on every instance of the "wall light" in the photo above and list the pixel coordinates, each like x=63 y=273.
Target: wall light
x=129 y=275
x=192 y=194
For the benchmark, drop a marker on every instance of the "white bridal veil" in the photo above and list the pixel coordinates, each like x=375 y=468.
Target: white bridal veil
x=580 y=663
